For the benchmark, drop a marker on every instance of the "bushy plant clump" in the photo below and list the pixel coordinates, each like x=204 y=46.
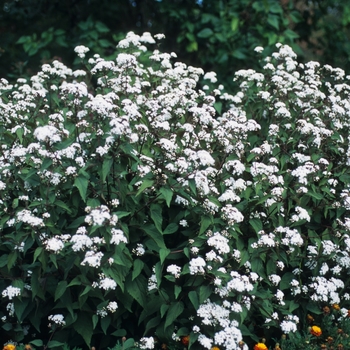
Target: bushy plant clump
x=136 y=204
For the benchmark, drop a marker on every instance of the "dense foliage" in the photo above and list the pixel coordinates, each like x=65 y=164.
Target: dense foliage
x=215 y=35
x=136 y=204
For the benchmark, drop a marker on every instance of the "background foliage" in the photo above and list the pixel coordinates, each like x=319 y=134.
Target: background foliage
x=216 y=35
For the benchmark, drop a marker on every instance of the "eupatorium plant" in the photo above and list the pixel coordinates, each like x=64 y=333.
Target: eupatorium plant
x=141 y=200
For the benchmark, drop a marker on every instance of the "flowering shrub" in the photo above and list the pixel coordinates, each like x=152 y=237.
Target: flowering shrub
x=136 y=203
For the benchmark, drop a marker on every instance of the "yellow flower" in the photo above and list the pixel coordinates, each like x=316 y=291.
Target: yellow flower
x=215 y=348
x=260 y=346
x=336 y=307
x=316 y=331
x=9 y=347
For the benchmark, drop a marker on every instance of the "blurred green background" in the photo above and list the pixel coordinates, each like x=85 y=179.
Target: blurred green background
x=217 y=35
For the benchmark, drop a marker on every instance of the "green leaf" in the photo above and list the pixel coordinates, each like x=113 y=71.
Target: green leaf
x=22 y=308
x=36 y=342
x=54 y=344
x=94 y=321
x=145 y=184
x=256 y=224
x=129 y=343
x=156 y=215
x=105 y=323
x=206 y=221
x=167 y=193
x=315 y=195
x=106 y=167
x=138 y=266
x=286 y=279
x=177 y=291
x=12 y=257
x=273 y=21
x=3 y=260
x=63 y=206
x=122 y=214
x=163 y=253
x=204 y=293
x=163 y=309
x=171 y=228
x=312 y=307
x=7 y=326
x=234 y=23
x=119 y=333
x=175 y=310
x=192 y=295
x=81 y=182
x=151 y=231
x=84 y=327
x=61 y=288
x=137 y=288
x=152 y=323
x=205 y=33
x=102 y=28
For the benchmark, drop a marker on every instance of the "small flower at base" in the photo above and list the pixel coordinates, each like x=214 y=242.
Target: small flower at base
x=9 y=346
x=336 y=307
x=215 y=348
x=28 y=347
x=185 y=340
x=260 y=346
x=309 y=318
x=329 y=340
x=316 y=331
x=326 y=310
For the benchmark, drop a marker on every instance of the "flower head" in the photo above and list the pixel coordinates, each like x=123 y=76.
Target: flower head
x=316 y=331
x=9 y=346
x=260 y=346
x=185 y=340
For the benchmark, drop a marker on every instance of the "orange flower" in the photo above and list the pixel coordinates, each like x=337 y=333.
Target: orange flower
x=336 y=307
x=185 y=340
x=260 y=346
x=309 y=318
x=9 y=347
x=316 y=331
x=215 y=348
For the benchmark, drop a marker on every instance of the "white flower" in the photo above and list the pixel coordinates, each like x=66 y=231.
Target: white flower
x=147 y=343
x=11 y=292
x=107 y=284
x=57 y=319
x=54 y=244
x=219 y=242
x=174 y=270
x=81 y=50
x=197 y=266
x=112 y=306
x=139 y=250
x=92 y=259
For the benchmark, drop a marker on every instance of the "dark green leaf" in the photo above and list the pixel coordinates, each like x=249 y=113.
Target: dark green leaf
x=205 y=33
x=175 y=310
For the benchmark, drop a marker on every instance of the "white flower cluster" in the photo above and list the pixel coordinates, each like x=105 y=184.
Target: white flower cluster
x=146 y=343
x=57 y=319
x=11 y=292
